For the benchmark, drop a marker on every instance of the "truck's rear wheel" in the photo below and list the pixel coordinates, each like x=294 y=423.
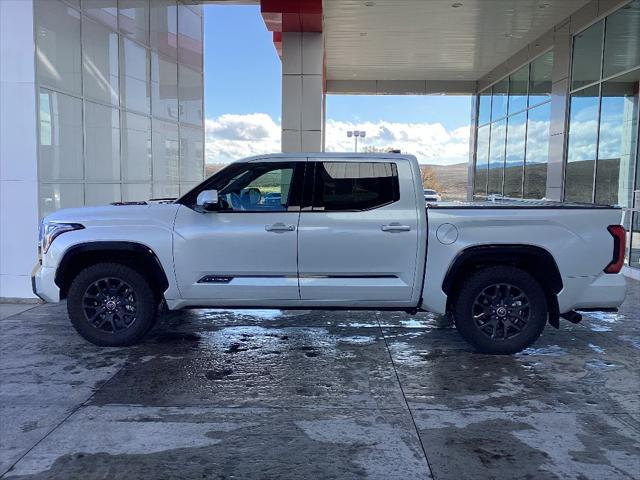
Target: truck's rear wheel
x=500 y=310
x=111 y=305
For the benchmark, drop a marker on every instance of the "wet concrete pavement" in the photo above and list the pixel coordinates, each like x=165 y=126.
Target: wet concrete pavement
x=271 y=394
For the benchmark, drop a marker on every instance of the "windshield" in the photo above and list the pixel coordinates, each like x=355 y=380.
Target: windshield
x=430 y=192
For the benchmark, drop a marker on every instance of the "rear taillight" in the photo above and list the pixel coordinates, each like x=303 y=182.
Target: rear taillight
x=619 y=241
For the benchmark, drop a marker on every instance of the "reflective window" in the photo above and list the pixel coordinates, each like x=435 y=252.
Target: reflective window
x=535 y=172
x=165 y=148
x=164 y=27
x=136 y=192
x=583 y=144
x=514 y=164
x=348 y=186
x=58 y=46
x=518 y=87
x=136 y=147
x=190 y=95
x=617 y=142
x=102 y=144
x=587 y=56
x=101 y=193
x=104 y=10
x=496 y=157
x=482 y=162
x=256 y=187
x=165 y=190
x=164 y=87
x=189 y=37
x=99 y=62
x=622 y=40
x=499 y=99
x=191 y=154
x=136 y=76
x=54 y=196
x=540 y=79
x=133 y=17
x=484 y=109
x=60 y=149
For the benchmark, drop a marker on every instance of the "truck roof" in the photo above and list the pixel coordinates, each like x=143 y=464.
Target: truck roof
x=330 y=155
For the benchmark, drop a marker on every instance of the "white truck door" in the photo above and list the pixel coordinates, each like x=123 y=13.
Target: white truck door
x=246 y=252
x=358 y=233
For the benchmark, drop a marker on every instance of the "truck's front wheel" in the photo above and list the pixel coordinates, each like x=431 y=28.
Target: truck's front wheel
x=500 y=310
x=111 y=305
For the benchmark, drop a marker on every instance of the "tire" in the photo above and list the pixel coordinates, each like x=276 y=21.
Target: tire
x=501 y=310
x=111 y=305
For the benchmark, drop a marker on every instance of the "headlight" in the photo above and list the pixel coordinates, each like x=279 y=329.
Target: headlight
x=51 y=230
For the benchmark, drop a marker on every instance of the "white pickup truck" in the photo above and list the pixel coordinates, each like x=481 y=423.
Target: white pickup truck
x=332 y=231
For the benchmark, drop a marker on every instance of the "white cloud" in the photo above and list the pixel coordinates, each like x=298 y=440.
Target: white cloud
x=231 y=137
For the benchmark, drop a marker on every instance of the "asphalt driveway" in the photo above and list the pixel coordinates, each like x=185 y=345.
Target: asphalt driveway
x=275 y=394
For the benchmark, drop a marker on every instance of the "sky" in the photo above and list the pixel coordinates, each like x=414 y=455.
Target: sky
x=242 y=101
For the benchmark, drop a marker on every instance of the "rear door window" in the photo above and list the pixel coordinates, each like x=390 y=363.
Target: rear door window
x=354 y=186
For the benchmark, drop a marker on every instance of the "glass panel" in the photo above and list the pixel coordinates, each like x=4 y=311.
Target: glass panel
x=516 y=131
x=136 y=147
x=164 y=87
x=344 y=186
x=58 y=45
x=165 y=152
x=136 y=192
x=186 y=187
x=622 y=41
x=499 y=99
x=484 y=111
x=191 y=154
x=133 y=16
x=587 y=56
x=164 y=27
x=136 y=66
x=104 y=10
x=617 y=142
x=583 y=142
x=99 y=62
x=54 y=196
x=482 y=162
x=496 y=157
x=102 y=142
x=189 y=37
x=190 y=91
x=60 y=137
x=518 y=86
x=540 y=79
x=101 y=193
x=163 y=190
x=535 y=171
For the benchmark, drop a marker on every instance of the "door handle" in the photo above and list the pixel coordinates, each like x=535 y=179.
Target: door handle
x=395 y=227
x=279 y=227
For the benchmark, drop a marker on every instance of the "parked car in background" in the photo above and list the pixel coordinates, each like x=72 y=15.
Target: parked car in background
x=330 y=231
x=431 y=196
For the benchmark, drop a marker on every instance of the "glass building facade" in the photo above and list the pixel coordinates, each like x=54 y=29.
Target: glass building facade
x=513 y=133
x=600 y=163
x=120 y=100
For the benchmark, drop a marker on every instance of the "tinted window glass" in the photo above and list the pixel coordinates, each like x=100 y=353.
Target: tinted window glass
x=587 y=56
x=540 y=79
x=343 y=186
x=622 y=41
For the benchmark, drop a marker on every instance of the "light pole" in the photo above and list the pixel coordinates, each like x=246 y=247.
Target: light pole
x=355 y=134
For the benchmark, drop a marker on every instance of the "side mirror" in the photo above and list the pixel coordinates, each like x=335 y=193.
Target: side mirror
x=208 y=200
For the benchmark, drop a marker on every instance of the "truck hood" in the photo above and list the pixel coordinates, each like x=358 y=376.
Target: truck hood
x=112 y=215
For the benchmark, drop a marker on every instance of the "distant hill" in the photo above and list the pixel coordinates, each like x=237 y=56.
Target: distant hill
x=453 y=179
